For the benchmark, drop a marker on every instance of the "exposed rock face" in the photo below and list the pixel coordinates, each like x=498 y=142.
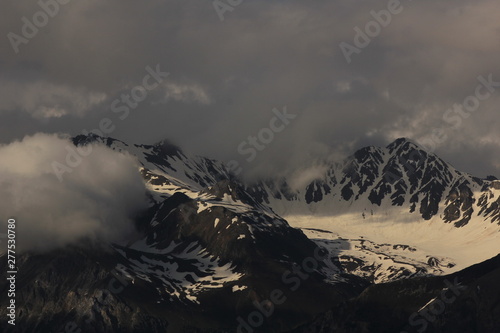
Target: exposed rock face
x=213 y=251
x=200 y=265
x=70 y=291
x=400 y=175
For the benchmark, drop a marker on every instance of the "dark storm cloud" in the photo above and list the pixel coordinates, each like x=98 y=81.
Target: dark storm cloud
x=226 y=77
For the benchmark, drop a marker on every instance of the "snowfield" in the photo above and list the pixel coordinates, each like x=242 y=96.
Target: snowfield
x=462 y=247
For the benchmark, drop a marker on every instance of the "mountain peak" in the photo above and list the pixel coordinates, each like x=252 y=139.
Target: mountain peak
x=90 y=138
x=167 y=148
x=402 y=143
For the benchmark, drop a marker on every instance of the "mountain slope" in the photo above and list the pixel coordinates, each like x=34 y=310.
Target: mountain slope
x=375 y=180
x=399 y=195
x=467 y=301
x=213 y=253
x=206 y=257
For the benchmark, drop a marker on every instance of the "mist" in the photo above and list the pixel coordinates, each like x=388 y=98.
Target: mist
x=98 y=199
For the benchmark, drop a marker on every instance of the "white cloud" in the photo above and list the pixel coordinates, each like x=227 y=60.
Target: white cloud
x=186 y=93
x=304 y=177
x=47 y=100
x=98 y=199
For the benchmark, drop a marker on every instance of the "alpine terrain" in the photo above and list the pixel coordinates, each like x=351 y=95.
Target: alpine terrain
x=391 y=239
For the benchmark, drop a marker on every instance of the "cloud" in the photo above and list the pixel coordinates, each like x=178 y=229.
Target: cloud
x=98 y=199
x=186 y=93
x=303 y=177
x=226 y=77
x=46 y=100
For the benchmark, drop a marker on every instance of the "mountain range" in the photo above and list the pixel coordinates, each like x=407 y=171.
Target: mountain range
x=373 y=243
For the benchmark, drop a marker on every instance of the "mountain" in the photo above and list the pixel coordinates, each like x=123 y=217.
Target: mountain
x=399 y=175
x=209 y=253
x=386 y=212
x=216 y=254
x=200 y=263
x=383 y=211
x=467 y=301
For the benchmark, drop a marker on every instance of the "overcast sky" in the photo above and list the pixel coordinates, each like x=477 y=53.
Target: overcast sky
x=226 y=77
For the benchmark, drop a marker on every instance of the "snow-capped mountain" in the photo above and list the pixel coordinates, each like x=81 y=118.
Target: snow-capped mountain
x=400 y=211
x=208 y=253
x=377 y=179
x=213 y=249
x=372 y=180
x=387 y=213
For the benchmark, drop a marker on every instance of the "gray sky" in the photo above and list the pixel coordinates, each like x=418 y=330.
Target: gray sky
x=226 y=77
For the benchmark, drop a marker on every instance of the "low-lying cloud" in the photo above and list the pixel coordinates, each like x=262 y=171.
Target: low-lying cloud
x=98 y=199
